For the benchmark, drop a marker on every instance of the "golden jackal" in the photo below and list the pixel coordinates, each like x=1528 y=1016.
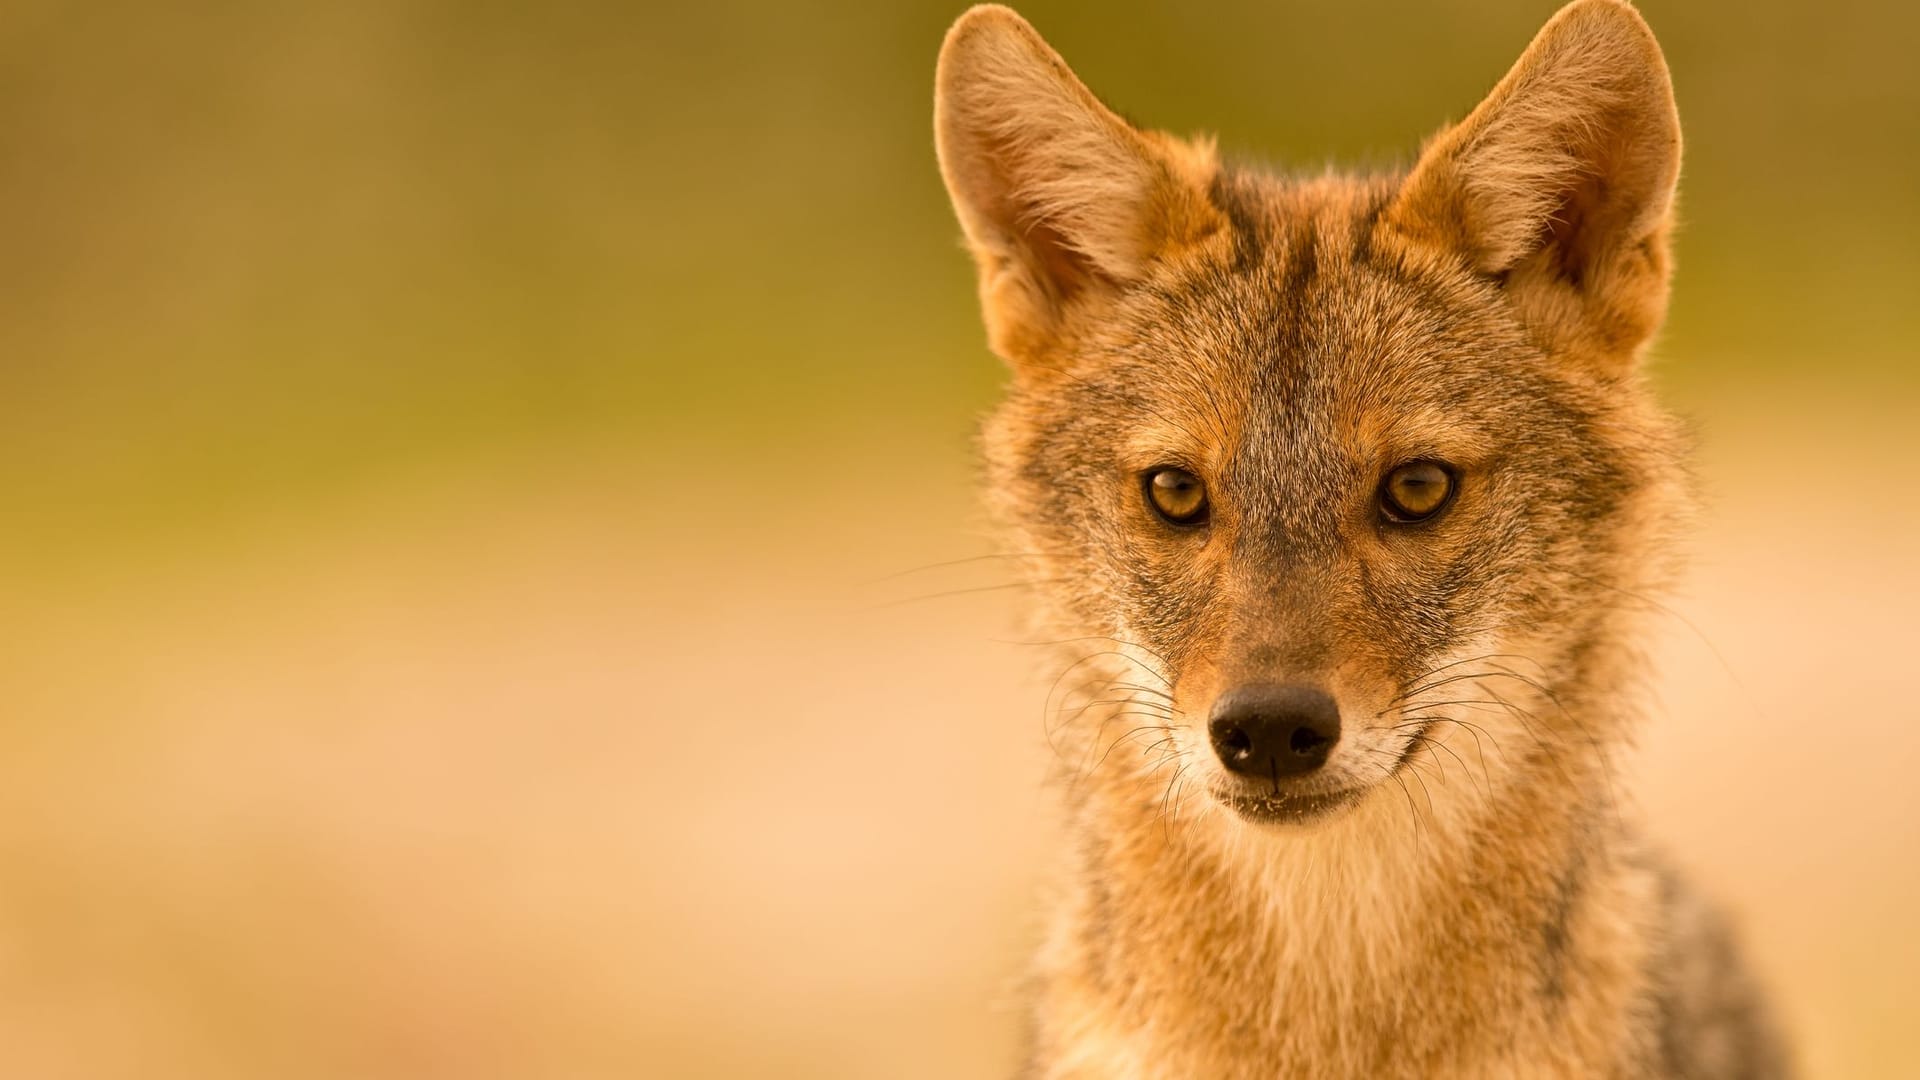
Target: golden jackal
x=1342 y=487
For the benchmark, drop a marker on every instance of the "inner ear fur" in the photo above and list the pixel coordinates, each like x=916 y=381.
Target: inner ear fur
x=1561 y=183
x=1057 y=195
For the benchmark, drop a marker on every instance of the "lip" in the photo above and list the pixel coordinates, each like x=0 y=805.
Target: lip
x=1289 y=809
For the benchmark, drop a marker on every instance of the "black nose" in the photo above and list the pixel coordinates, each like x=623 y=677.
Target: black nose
x=1267 y=731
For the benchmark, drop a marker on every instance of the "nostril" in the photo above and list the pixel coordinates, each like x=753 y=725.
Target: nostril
x=1236 y=743
x=1307 y=742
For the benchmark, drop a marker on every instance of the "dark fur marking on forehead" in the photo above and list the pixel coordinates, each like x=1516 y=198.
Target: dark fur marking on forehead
x=1249 y=237
x=1303 y=263
x=1364 y=225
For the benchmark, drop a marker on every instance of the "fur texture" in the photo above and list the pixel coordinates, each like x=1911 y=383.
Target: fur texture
x=1476 y=903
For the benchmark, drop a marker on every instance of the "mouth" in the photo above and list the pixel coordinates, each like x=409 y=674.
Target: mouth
x=1285 y=809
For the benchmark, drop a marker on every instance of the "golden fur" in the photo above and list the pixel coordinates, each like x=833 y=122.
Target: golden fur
x=1480 y=907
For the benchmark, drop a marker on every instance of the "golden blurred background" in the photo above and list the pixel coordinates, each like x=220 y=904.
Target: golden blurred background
x=452 y=457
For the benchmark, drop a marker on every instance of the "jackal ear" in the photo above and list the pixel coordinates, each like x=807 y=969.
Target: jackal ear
x=1561 y=182
x=1058 y=196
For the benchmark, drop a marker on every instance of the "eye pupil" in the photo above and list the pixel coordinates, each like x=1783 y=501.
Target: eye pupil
x=1416 y=491
x=1177 y=496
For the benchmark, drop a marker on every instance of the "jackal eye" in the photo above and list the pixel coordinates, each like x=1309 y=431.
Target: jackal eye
x=1415 y=491
x=1176 y=495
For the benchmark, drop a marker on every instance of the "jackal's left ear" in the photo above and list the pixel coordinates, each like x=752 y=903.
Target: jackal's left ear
x=1561 y=182
x=1060 y=198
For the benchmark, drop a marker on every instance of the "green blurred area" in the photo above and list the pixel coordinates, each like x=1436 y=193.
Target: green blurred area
x=260 y=254
x=430 y=435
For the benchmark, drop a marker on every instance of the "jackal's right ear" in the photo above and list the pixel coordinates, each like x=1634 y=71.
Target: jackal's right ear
x=1059 y=197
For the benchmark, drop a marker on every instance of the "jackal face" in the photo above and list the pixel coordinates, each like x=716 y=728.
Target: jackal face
x=1343 y=464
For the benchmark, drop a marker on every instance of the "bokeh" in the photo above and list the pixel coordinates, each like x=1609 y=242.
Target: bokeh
x=481 y=487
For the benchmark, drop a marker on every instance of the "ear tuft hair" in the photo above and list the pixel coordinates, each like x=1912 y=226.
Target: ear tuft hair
x=1564 y=176
x=1057 y=195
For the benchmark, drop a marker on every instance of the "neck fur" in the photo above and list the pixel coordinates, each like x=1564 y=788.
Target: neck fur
x=1453 y=888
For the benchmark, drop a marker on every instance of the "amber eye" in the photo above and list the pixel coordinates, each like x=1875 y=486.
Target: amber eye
x=1416 y=491
x=1177 y=496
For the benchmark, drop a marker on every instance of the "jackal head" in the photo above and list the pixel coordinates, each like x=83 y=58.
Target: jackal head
x=1343 y=465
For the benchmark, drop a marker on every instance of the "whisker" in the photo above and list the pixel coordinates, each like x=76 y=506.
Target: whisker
x=1141 y=689
x=1110 y=746
x=1165 y=828
x=1106 y=652
x=1416 y=689
x=1495 y=673
x=1088 y=637
x=964 y=592
x=1167 y=709
x=1600 y=752
x=1471 y=729
x=1719 y=657
x=1440 y=744
x=1413 y=812
x=1047 y=707
x=944 y=564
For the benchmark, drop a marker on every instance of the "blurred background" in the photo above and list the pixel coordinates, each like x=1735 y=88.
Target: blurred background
x=452 y=457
